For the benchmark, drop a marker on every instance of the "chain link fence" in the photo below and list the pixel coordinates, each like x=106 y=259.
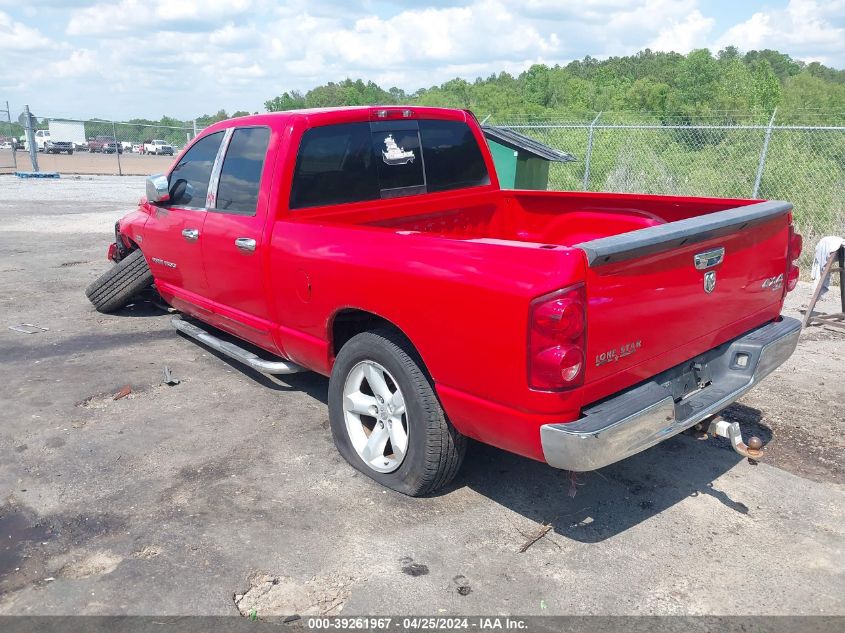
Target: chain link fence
x=98 y=146
x=8 y=142
x=802 y=164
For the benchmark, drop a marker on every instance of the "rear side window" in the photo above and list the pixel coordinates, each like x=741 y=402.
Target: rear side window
x=335 y=165
x=189 y=179
x=240 y=177
x=452 y=157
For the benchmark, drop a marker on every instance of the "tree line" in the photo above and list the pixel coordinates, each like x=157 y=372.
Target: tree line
x=726 y=87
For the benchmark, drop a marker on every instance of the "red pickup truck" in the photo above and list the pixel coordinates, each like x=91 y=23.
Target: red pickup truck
x=374 y=245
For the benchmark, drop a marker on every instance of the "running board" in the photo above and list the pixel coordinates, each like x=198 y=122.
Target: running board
x=233 y=351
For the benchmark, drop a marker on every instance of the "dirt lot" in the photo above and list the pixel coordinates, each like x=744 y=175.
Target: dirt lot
x=225 y=493
x=87 y=163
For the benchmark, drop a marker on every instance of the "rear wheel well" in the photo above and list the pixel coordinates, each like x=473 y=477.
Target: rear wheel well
x=352 y=321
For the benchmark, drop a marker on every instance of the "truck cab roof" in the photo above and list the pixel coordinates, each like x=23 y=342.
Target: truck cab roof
x=349 y=114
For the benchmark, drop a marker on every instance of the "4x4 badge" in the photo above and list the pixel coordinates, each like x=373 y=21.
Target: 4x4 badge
x=709 y=281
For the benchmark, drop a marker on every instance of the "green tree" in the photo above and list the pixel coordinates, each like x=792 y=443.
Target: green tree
x=695 y=86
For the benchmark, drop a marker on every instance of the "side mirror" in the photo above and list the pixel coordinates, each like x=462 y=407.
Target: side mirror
x=158 y=189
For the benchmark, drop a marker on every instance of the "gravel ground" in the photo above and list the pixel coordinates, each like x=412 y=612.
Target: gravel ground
x=224 y=494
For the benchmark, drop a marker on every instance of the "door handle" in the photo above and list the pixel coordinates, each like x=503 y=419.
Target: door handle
x=192 y=235
x=245 y=244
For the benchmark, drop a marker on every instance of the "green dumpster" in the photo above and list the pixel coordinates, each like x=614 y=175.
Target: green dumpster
x=521 y=162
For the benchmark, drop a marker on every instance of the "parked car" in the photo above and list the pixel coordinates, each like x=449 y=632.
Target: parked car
x=58 y=147
x=573 y=328
x=41 y=138
x=10 y=143
x=158 y=147
x=104 y=144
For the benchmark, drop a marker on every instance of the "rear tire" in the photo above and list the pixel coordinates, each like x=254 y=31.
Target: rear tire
x=115 y=288
x=434 y=449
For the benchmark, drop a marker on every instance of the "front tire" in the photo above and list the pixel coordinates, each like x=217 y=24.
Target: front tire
x=380 y=394
x=116 y=288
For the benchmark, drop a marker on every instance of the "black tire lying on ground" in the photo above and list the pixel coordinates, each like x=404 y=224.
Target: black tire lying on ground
x=116 y=287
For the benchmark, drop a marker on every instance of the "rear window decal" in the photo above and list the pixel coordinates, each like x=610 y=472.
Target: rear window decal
x=395 y=155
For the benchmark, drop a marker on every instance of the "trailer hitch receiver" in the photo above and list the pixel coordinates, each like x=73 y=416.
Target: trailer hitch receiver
x=731 y=431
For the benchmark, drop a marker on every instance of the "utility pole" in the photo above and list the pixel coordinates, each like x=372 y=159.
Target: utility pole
x=30 y=138
x=117 y=149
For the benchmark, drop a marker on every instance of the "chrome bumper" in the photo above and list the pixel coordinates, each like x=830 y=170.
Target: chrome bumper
x=649 y=413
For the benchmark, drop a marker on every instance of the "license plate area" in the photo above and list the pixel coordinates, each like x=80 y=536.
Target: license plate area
x=695 y=376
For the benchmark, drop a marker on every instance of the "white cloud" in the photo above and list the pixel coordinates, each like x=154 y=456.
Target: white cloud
x=19 y=37
x=136 y=16
x=480 y=31
x=187 y=56
x=805 y=28
x=683 y=36
x=80 y=62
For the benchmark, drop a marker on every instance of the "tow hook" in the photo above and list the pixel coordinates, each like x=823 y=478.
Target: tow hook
x=731 y=431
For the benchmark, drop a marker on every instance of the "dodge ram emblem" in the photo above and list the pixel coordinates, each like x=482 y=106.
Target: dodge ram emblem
x=709 y=281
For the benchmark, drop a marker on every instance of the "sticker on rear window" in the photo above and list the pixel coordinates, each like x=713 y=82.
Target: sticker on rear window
x=395 y=155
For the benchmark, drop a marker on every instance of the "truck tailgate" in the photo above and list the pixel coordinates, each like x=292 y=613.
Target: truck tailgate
x=663 y=294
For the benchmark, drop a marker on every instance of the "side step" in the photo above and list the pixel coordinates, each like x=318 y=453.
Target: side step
x=233 y=351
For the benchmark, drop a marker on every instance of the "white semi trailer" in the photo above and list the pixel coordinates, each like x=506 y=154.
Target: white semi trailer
x=68 y=131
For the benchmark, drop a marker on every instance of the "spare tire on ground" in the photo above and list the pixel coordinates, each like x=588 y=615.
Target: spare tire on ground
x=117 y=287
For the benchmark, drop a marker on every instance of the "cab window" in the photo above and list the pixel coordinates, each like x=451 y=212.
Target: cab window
x=240 y=177
x=399 y=158
x=334 y=166
x=453 y=159
x=189 y=178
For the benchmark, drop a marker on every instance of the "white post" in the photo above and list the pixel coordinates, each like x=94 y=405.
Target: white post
x=589 y=153
x=763 y=153
x=117 y=149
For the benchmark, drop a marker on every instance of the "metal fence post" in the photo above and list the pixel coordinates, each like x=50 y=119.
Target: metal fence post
x=30 y=138
x=763 y=153
x=117 y=149
x=14 y=148
x=195 y=128
x=589 y=153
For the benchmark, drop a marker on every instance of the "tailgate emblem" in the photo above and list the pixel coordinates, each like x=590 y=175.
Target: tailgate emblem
x=709 y=281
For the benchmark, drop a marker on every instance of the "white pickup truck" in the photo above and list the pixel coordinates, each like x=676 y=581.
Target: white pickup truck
x=43 y=143
x=157 y=147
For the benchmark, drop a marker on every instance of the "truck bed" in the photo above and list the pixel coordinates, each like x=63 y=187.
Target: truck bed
x=648 y=306
x=540 y=218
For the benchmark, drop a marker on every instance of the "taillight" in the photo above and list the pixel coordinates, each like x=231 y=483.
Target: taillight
x=796 y=244
x=557 y=339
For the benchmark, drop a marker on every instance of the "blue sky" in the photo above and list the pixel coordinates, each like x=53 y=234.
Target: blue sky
x=130 y=58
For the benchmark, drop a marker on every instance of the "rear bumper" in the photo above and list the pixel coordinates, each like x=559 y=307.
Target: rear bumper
x=642 y=416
